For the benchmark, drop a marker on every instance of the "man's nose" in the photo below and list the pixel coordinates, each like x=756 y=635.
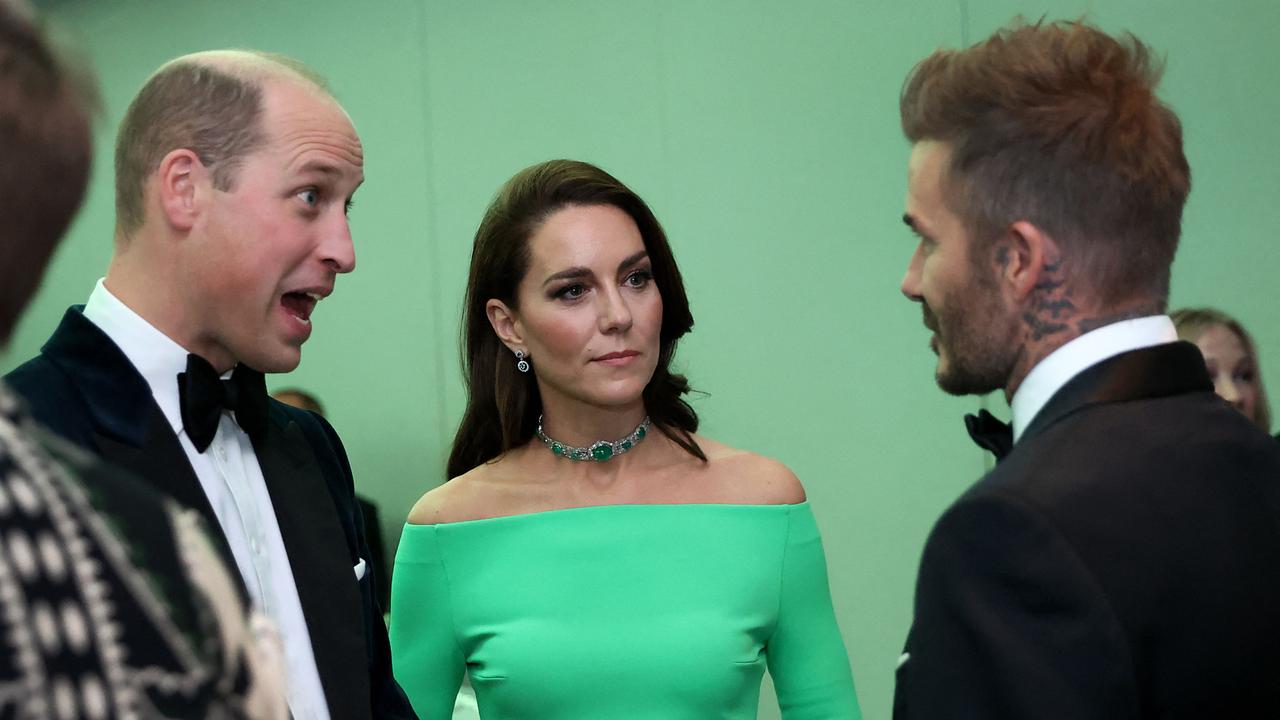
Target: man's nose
x=911 y=280
x=338 y=249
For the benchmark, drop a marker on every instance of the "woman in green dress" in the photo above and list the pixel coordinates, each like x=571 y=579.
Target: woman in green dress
x=592 y=556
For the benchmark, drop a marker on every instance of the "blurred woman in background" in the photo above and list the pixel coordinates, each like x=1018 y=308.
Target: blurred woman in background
x=1231 y=357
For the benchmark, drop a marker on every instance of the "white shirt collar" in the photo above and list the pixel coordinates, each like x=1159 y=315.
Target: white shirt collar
x=1051 y=373
x=232 y=480
x=155 y=355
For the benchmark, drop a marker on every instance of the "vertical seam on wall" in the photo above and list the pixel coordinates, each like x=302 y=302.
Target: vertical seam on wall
x=984 y=401
x=433 y=254
x=664 y=106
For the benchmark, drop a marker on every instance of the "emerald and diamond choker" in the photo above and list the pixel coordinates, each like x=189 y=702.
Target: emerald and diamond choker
x=599 y=451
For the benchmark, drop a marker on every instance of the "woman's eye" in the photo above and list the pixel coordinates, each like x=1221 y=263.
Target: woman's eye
x=571 y=292
x=639 y=278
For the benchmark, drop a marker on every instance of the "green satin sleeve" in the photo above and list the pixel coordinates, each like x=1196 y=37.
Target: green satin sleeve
x=428 y=661
x=805 y=654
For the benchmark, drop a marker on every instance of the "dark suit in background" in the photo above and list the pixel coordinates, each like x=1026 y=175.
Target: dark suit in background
x=83 y=388
x=377 y=556
x=1121 y=562
x=377 y=560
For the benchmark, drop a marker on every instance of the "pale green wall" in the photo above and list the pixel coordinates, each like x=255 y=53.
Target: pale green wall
x=765 y=136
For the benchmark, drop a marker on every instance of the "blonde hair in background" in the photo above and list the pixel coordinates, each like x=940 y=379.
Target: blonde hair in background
x=1192 y=322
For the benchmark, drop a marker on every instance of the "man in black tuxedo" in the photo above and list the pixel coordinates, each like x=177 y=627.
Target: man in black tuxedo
x=1121 y=559
x=304 y=400
x=234 y=173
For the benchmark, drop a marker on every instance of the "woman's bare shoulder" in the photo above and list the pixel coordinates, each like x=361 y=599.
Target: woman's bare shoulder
x=750 y=478
x=462 y=498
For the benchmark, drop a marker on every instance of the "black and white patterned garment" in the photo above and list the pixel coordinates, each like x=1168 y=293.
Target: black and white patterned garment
x=113 y=603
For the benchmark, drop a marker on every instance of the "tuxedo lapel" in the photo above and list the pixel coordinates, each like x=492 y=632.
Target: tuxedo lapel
x=116 y=396
x=162 y=463
x=321 y=562
x=90 y=394
x=128 y=428
x=1159 y=371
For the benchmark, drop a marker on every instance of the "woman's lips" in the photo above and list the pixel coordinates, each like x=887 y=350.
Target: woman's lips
x=617 y=359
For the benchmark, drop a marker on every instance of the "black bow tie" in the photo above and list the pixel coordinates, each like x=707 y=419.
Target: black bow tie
x=990 y=433
x=203 y=396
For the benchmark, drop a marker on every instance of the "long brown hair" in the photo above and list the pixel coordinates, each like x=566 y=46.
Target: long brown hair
x=502 y=403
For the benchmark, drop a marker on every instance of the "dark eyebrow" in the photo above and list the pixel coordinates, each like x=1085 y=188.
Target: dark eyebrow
x=570 y=274
x=579 y=272
x=633 y=260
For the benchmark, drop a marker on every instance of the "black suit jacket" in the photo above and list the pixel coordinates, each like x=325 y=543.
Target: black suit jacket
x=83 y=388
x=1123 y=561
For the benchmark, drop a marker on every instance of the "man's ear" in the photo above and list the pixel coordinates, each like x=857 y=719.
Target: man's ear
x=506 y=323
x=1024 y=256
x=181 y=183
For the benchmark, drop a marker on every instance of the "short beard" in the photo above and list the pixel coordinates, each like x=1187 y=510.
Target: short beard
x=980 y=340
x=977 y=377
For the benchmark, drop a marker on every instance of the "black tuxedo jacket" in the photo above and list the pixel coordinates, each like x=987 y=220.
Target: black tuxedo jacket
x=1123 y=561
x=83 y=388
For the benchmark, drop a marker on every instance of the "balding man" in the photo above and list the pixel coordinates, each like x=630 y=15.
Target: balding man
x=234 y=173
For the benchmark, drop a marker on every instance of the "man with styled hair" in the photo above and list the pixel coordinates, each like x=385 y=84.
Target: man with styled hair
x=1119 y=561
x=234 y=174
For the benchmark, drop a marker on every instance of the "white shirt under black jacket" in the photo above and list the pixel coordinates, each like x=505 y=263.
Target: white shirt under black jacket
x=232 y=480
x=1073 y=358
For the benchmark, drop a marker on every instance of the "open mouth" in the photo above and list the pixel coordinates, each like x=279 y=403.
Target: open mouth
x=300 y=304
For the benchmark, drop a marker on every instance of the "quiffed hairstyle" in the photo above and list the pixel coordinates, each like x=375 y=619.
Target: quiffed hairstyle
x=190 y=103
x=1058 y=124
x=46 y=149
x=1191 y=324
x=502 y=403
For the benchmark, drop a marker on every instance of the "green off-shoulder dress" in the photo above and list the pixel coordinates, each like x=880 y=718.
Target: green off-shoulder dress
x=636 y=612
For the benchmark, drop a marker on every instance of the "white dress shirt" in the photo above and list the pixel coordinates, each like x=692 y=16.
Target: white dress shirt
x=1091 y=348
x=232 y=480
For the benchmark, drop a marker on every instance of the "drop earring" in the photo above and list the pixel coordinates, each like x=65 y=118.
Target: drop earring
x=521 y=364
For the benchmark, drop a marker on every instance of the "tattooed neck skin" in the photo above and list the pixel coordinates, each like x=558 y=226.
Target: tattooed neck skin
x=1055 y=314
